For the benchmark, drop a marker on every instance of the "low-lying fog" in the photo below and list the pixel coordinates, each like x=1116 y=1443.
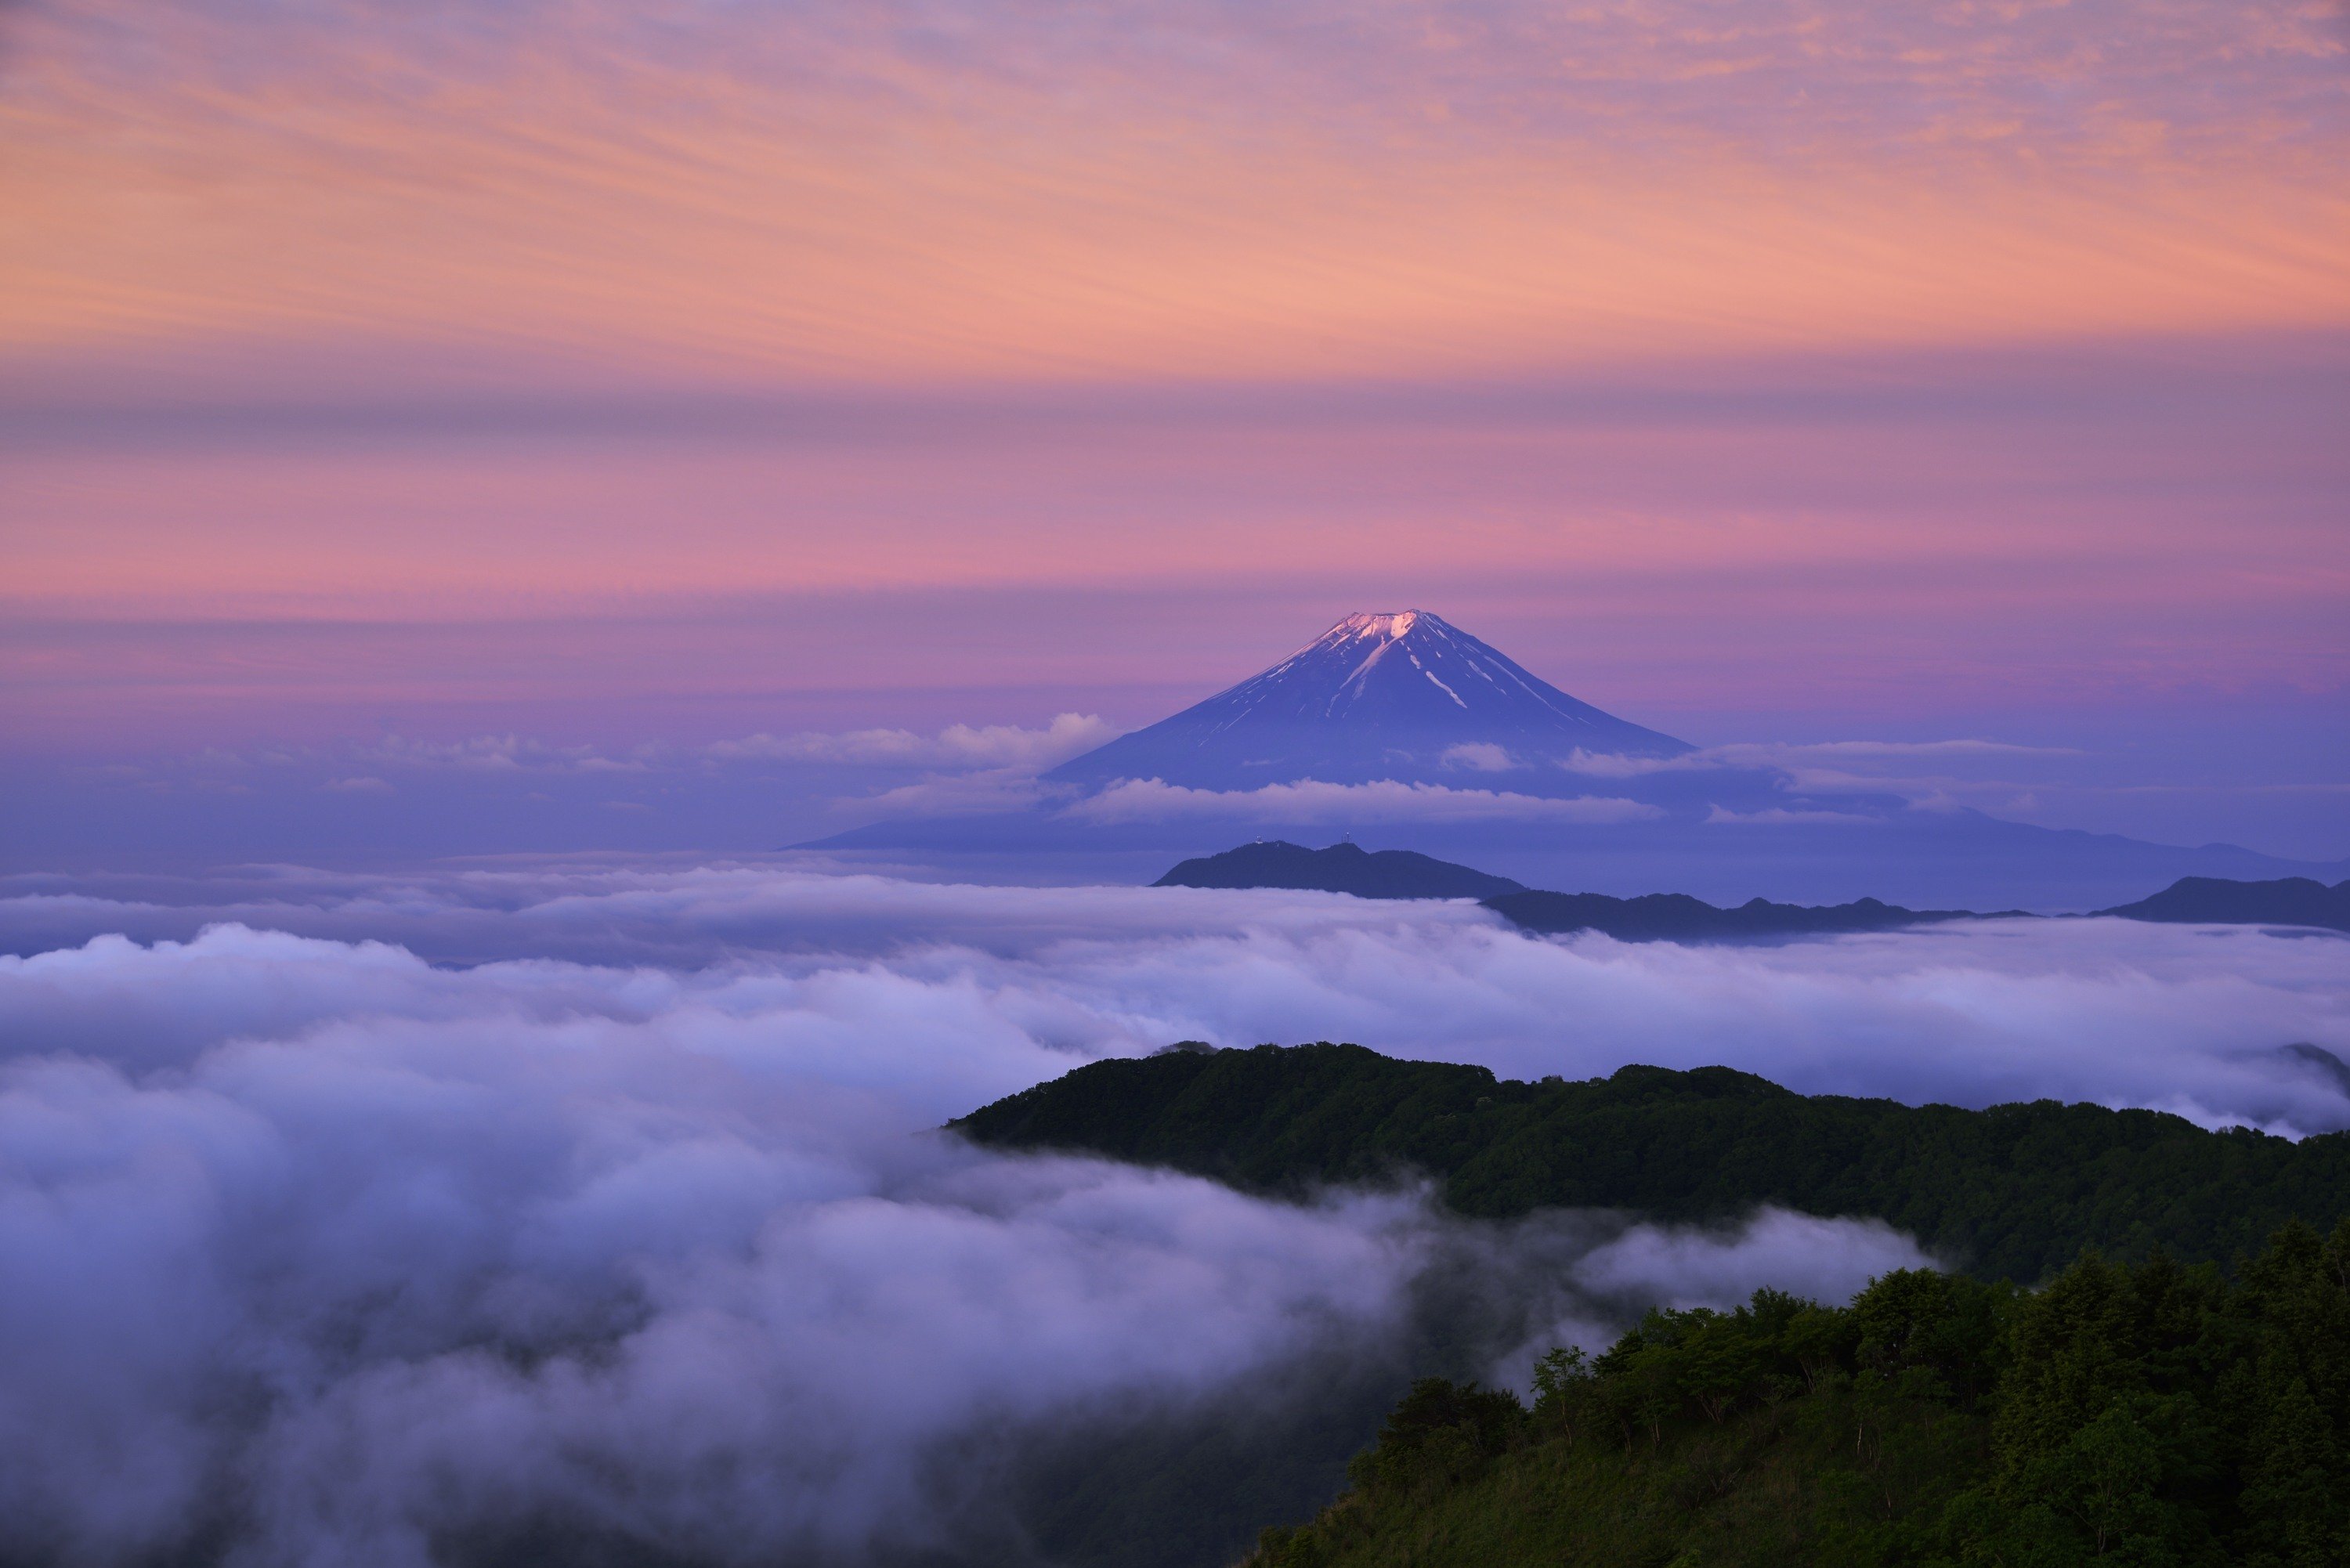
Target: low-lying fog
x=373 y=1220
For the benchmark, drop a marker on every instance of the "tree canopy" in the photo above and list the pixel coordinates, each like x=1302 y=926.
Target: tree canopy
x=2011 y=1192
x=2150 y=1414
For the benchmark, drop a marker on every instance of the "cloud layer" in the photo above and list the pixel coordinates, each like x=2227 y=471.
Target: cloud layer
x=330 y=1254
x=2110 y=1011
x=628 y=1222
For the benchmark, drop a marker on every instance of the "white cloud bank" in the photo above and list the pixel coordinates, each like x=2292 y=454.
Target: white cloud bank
x=2111 y=1011
x=637 y=1226
x=340 y=1253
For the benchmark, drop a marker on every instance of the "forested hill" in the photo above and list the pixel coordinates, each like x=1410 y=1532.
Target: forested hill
x=2013 y=1192
x=2143 y=1414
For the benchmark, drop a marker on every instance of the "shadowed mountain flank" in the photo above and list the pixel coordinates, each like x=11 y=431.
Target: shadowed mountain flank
x=1676 y=916
x=1345 y=868
x=2209 y=900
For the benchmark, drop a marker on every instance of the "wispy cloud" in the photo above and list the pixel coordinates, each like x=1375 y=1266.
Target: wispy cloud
x=1481 y=756
x=976 y=746
x=1767 y=815
x=1312 y=801
x=1793 y=755
x=1393 y=187
x=489 y=753
x=985 y=792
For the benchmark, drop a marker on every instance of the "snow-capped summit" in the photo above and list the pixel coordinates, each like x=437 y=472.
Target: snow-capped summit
x=1373 y=623
x=1399 y=694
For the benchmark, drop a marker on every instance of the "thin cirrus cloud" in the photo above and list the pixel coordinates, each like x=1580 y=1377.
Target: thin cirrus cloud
x=2005 y=541
x=1008 y=747
x=961 y=746
x=858 y=192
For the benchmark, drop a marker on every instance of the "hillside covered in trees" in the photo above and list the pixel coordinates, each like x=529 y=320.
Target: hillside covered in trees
x=2147 y=1414
x=2014 y=1192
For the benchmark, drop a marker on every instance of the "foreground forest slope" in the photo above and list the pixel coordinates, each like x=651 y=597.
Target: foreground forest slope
x=2148 y=1415
x=2014 y=1192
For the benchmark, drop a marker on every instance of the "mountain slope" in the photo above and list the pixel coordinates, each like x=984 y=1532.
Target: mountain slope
x=1403 y=696
x=2287 y=901
x=1345 y=868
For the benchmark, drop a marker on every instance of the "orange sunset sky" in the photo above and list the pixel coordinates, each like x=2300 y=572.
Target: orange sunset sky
x=536 y=358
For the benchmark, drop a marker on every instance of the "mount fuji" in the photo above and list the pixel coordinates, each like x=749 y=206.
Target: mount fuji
x=1400 y=727
x=1403 y=695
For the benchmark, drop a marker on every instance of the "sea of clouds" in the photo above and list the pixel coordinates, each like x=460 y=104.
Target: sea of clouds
x=347 y=1217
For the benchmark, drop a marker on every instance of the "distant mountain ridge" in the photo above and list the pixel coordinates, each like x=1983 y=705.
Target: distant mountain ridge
x=1347 y=868
x=2286 y=901
x=1402 y=695
x=1344 y=867
x=1666 y=916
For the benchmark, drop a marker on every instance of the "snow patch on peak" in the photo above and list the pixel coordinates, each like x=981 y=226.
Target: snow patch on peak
x=1384 y=624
